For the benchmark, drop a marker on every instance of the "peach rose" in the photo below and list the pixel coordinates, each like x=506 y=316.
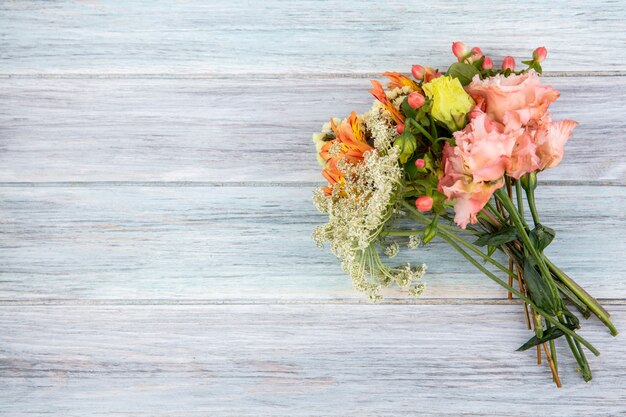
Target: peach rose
x=550 y=139
x=456 y=183
x=524 y=158
x=513 y=100
x=474 y=168
x=485 y=148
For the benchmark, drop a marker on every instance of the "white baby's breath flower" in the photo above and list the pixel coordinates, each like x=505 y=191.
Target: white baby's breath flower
x=414 y=242
x=378 y=123
x=358 y=208
x=392 y=250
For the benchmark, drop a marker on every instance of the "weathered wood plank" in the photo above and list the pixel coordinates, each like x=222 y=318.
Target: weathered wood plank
x=234 y=129
x=250 y=243
x=300 y=360
x=229 y=36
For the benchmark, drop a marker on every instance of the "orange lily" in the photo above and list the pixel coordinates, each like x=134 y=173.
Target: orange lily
x=353 y=148
x=380 y=95
x=397 y=80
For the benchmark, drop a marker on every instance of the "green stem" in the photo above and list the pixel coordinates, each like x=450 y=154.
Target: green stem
x=421 y=129
x=530 y=196
x=403 y=232
x=589 y=301
x=424 y=219
x=582 y=362
x=495 y=212
x=522 y=297
x=520 y=200
x=477 y=251
x=521 y=229
x=593 y=305
x=585 y=370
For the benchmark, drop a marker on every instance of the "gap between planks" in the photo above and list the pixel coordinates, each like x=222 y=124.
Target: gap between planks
x=269 y=75
x=278 y=301
x=208 y=184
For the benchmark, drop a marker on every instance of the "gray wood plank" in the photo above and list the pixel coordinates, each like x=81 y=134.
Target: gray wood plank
x=299 y=360
x=235 y=129
x=252 y=243
x=272 y=36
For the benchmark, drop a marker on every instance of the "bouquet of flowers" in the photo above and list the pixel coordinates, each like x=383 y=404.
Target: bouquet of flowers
x=455 y=156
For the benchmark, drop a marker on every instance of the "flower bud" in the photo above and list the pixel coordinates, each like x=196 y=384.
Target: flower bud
x=416 y=100
x=420 y=163
x=431 y=230
x=459 y=50
x=477 y=54
x=400 y=128
x=529 y=181
x=424 y=203
x=407 y=144
x=431 y=75
x=540 y=54
x=418 y=72
x=508 y=63
x=487 y=63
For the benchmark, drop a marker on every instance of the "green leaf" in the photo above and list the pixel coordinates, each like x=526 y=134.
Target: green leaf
x=539 y=291
x=407 y=110
x=502 y=236
x=431 y=230
x=550 y=334
x=478 y=64
x=464 y=72
x=572 y=319
x=542 y=236
x=407 y=144
x=491 y=250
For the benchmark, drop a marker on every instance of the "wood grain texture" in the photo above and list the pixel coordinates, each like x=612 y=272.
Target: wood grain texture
x=237 y=129
x=276 y=36
x=323 y=360
x=118 y=121
x=252 y=243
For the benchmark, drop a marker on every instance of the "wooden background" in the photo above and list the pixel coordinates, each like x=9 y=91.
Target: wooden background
x=155 y=207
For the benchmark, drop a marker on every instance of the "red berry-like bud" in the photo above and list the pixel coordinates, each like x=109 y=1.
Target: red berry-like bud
x=418 y=72
x=416 y=100
x=477 y=54
x=424 y=203
x=400 y=128
x=459 y=50
x=420 y=163
x=540 y=54
x=508 y=63
x=487 y=63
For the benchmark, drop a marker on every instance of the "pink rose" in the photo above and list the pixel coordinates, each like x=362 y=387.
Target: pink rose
x=470 y=200
x=484 y=148
x=474 y=168
x=550 y=139
x=513 y=100
x=470 y=197
x=524 y=157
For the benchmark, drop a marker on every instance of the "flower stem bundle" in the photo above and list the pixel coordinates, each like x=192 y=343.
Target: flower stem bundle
x=455 y=156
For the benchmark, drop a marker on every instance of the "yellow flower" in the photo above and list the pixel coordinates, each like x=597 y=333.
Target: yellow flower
x=450 y=101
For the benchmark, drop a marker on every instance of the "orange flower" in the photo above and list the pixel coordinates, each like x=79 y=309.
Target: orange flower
x=381 y=96
x=398 y=80
x=352 y=147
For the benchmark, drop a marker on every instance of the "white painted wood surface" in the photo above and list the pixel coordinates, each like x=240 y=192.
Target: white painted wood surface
x=277 y=36
x=155 y=179
x=293 y=360
x=189 y=129
x=201 y=242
